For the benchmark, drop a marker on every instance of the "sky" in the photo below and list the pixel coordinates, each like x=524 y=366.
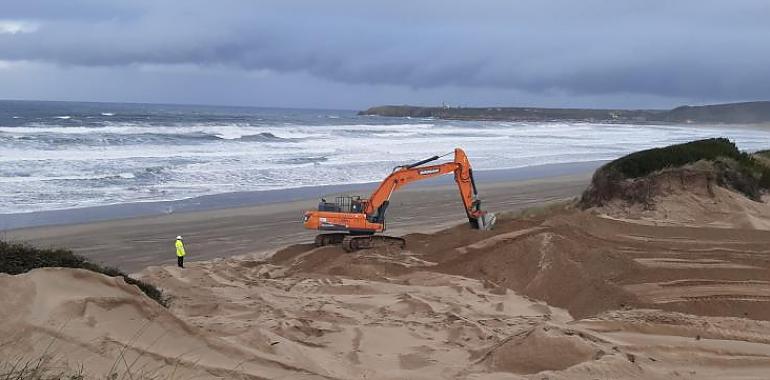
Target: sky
x=358 y=53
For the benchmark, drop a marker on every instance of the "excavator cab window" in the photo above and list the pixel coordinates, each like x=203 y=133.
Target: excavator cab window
x=349 y=204
x=357 y=205
x=328 y=206
x=343 y=204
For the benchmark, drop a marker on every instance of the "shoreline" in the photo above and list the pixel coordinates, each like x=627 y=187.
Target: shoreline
x=133 y=244
x=120 y=211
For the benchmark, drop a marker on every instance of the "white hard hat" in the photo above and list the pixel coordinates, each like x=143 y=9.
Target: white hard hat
x=179 y=237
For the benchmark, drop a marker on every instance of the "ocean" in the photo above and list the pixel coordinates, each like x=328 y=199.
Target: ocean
x=64 y=155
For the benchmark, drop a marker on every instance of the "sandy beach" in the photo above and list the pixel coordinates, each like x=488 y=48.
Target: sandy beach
x=134 y=243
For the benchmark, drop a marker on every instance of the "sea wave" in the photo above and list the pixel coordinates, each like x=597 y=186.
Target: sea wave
x=139 y=174
x=131 y=156
x=45 y=132
x=302 y=160
x=264 y=136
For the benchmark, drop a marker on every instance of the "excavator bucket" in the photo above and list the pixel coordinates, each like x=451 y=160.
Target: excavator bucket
x=487 y=221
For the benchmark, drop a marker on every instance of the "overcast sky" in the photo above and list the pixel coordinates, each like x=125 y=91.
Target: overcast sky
x=357 y=53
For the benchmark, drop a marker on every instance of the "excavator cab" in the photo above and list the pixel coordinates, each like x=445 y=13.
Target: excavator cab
x=351 y=204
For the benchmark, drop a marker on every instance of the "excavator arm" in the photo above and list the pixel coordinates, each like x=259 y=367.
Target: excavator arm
x=403 y=175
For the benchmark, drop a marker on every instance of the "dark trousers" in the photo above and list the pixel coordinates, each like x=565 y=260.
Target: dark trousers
x=180 y=261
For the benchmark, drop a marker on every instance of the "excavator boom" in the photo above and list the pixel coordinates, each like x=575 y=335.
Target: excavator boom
x=356 y=216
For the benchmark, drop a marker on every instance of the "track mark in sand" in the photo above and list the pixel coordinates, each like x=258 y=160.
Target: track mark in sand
x=545 y=248
x=501 y=238
x=733 y=297
x=701 y=290
x=696 y=282
x=655 y=322
x=405 y=259
x=742 y=251
x=176 y=273
x=353 y=355
x=310 y=285
x=673 y=263
x=413 y=360
x=677 y=239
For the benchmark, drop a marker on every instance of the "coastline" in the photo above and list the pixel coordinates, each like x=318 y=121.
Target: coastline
x=91 y=214
x=728 y=113
x=132 y=244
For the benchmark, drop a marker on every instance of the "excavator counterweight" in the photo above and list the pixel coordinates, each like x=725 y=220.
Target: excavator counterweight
x=354 y=221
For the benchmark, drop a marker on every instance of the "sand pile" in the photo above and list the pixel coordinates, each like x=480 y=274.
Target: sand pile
x=543 y=348
x=581 y=261
x=419 y=325
x=588 y=264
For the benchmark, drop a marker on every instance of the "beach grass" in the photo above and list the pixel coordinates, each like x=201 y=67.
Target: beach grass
x=644 y=162
x=746 y=173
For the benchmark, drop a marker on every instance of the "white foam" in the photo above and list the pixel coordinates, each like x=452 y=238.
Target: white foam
x=44 y=128
x=63 y=117
x=108 y=114
x=223 y=131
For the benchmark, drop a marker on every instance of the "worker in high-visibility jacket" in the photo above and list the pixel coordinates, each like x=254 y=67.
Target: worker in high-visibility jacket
x=179 y=252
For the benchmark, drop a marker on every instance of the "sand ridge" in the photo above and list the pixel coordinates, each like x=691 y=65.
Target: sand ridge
x=74 y=317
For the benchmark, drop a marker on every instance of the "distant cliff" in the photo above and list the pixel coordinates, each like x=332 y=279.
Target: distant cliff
x=738 y=113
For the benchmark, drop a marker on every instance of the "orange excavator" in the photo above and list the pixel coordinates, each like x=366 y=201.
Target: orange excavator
x=354 y=222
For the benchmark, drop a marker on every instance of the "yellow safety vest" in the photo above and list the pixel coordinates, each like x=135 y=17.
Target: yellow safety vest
x=179 y=248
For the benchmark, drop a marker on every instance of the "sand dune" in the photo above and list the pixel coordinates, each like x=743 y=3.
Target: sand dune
x=76 y=317
x=691 y=197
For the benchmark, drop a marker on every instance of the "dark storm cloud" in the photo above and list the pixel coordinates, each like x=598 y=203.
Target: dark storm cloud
x=703 y=49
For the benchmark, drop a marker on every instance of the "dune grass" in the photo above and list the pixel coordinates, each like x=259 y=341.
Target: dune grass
x=542 y=210
x=38 y=369
x=17 y=258
x=44 y=368
x=644 y=162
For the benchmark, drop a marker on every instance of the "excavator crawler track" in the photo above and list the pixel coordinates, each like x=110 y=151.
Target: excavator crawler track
x=329 y=239
x=353 y=243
